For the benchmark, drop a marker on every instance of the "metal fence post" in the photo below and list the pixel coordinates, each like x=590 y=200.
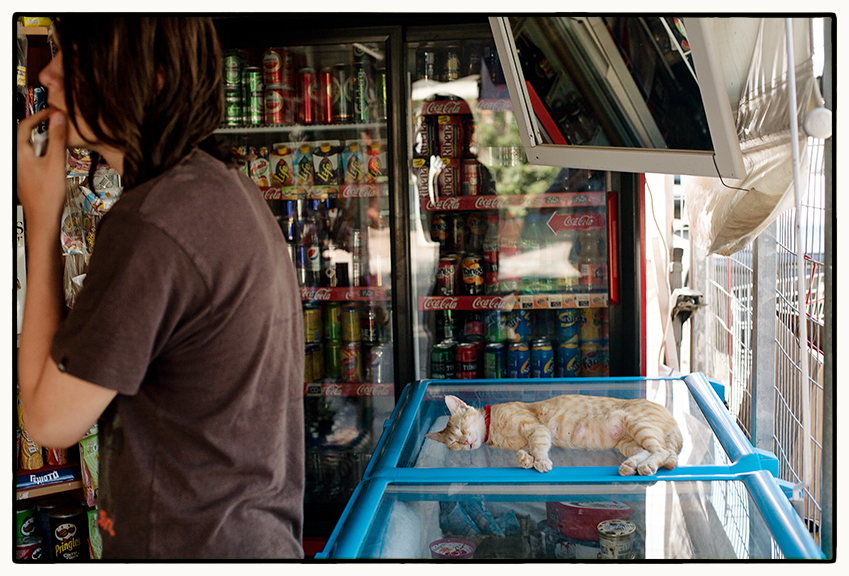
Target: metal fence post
x=764 y=275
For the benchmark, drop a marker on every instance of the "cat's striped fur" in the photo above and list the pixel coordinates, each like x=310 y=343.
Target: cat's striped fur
x=644 y=431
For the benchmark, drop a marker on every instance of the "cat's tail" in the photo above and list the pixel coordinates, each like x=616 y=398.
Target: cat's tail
x=674 y=443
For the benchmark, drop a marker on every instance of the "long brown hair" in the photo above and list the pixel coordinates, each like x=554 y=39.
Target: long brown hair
x=112 y=67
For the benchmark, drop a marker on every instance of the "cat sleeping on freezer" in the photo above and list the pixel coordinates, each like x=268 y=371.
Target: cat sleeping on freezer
x=643 y=431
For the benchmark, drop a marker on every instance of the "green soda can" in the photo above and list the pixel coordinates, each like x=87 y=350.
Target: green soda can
x=495 y=361
x=332 y=320
x=333 y=359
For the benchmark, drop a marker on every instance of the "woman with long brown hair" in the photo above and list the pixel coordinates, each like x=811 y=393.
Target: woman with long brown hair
x=185 y=343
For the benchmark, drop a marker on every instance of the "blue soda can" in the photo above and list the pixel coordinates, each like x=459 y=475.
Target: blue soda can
x=569 y=326
x=519 y=326
x=568 y=360
x=494 y=361
x=518 y=360
x=542 y=359
x=495 y=326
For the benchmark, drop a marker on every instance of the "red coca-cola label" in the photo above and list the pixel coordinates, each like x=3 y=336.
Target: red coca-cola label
x=443 y=107
x=498 y=202
x=438 y=303
x=559 y=222
x=361 y=191
x=495 y=104
x=348 y=390
x=272 y=193
x=462 y=302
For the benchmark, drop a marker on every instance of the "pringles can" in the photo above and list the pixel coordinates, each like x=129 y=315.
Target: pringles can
x=69 y=534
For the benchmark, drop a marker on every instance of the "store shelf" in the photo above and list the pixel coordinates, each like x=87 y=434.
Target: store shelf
x=298 y=128
x=324 y=192
x=512 y=301
x=356 y=293
x=48 y=480
x=500 y=202
x=349 y=390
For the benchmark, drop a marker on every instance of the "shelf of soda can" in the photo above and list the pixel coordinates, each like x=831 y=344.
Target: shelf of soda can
x=570 y=343
x=242 y=128
x=345 y=294
x=511 y=302
x=502 y=201
x=344 y=389
x=325 y=192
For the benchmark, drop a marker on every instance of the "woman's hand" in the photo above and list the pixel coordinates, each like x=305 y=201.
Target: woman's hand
x=41 y=179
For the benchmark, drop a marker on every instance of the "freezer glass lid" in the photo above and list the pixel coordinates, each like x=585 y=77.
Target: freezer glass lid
x=701 y=446
x=688 y=520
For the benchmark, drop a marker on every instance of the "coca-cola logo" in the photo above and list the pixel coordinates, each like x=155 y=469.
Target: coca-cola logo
x=559 y=222
x=490 y=202
x=488 y=303
x=373 y=390
x=442 y=107
x=358 y=191
x=452 y=203
x=316 y=293
x=333 y=389
x=496 y=105
x=439 y=303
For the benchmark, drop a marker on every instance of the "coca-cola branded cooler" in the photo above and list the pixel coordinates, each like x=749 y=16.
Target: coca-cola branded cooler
x=516 y=268
x=423 y=240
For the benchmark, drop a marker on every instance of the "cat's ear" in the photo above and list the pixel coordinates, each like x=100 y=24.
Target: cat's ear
x=455 y=404
x=435 y=436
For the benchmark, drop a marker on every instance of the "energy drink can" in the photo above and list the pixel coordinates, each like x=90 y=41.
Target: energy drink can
x=542 y=359
x=495 y=361
x=518 y=360
x=306 y=98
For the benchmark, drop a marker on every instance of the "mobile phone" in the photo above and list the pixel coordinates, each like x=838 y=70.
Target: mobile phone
x=39 y=141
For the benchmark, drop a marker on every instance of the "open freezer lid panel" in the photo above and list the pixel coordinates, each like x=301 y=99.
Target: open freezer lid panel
x=627 y=94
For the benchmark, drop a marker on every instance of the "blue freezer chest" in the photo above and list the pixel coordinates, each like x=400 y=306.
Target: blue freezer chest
x=721 y=502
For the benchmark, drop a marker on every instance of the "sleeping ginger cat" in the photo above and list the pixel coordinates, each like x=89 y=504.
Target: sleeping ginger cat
x=643 y=431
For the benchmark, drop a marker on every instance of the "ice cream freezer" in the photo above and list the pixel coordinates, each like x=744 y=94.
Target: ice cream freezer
x=418 y=499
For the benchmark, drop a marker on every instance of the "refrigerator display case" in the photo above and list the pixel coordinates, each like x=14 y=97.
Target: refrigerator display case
x=420 y=500
x=628 y=93
x=514 y=267
x=309 y=125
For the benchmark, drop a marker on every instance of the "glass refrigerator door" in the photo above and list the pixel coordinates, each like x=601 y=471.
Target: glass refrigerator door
x=309 y=123
x=511 y=270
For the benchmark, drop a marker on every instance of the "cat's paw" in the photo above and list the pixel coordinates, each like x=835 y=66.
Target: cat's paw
x=646 y=469
x=543 y=465
x=626 y=470
x=524 y=460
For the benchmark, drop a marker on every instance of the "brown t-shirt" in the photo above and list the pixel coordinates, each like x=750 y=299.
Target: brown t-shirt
x=190 y=310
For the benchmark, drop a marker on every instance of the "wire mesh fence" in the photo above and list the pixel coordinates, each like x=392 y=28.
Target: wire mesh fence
x=727 y=342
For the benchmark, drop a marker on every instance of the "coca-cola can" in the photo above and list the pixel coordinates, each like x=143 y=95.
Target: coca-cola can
x=446 y=276
x=306 y=89
x=471 y=183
